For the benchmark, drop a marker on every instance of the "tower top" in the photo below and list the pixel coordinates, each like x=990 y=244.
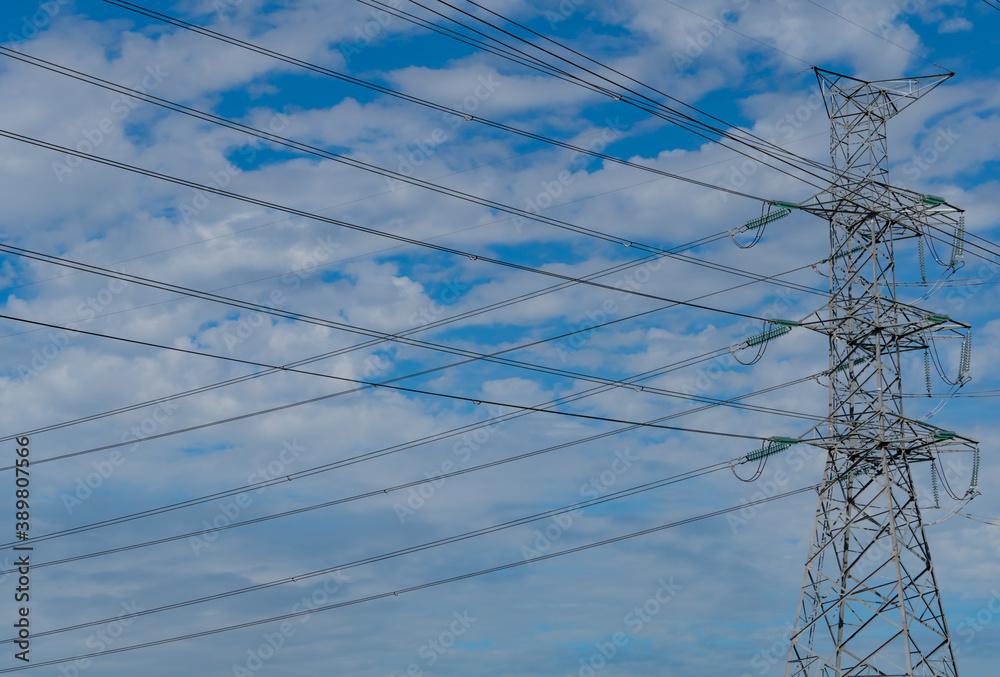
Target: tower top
x=887 y=97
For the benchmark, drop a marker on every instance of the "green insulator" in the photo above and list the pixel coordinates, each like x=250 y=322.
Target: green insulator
x=933 y=200
x=784 y=323
x=784 y=205
x=958 y=248
x=857 y=472
x=974 y=486
x=768 y=335
x=938 y=318
x=945 y=435
x=927 y=371
x=865 y=470
x=849 y=253
x=766 y=219
x=934 y=483
x=923 y=265
x=778 y=445
x=965 y=363
x=855 y=362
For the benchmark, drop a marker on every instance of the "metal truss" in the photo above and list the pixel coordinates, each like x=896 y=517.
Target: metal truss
x=870 y=603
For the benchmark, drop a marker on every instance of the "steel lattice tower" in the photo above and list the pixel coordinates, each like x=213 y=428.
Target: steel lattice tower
x=870 y=603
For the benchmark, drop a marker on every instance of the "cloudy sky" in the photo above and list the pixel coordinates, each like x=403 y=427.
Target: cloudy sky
x=216 y=243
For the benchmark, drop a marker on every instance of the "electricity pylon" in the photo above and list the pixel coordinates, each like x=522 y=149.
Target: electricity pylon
x=870 y=603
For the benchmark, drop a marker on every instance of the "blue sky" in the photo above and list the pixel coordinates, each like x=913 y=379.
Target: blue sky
x=714 y=597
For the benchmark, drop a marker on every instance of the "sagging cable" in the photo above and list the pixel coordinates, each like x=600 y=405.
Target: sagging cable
x=758 y=225
x=778 y=328
x=844 y=366
x=838 y=257
x=775 y=446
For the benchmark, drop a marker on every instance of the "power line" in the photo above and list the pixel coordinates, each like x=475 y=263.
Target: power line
x=744 y=35
x=414 y=588
x=204 y=31
x=731 y=132
x=741 y=506
x=632 y=382
x=377 y=336
x=705 y=240
x=364 y=385
x=756 y=143
x=368 y=197
x=413 y=99
x=436 y=437
x=494 y=357
x=380 y=492
x=315 y=151
x=877 y=35
x=672 y=115
x=337 y=222
x=322 y=356
x=170 y=105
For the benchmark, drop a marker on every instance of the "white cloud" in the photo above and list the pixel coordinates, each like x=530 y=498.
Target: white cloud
x=547 y=617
